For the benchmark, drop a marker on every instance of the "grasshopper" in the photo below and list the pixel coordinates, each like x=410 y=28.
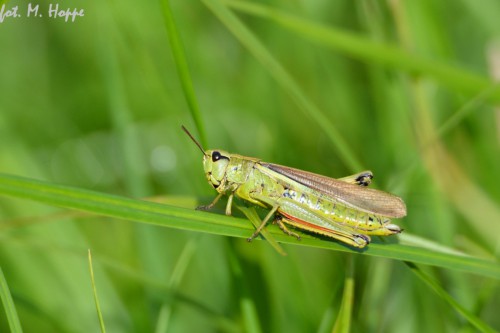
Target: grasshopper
x=343 y=209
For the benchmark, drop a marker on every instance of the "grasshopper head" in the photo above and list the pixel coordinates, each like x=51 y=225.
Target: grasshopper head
x=215 y=163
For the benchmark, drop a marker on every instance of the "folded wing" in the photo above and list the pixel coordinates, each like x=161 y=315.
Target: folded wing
x=355 y=196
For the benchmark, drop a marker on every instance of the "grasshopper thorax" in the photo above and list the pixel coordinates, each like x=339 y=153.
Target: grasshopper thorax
x=215 y=163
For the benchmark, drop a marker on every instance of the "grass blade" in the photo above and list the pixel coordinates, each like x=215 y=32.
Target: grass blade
x=475 y=321
x=8 y=304
x=248 y=308
x=96 y=300
x=343 y=322
x=190 y=219
x=176 y=278
x=260 y=52
x=252 y=215
x=368 y=50
x=183 y=69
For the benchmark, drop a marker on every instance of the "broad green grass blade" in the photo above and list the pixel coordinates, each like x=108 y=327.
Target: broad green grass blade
x=343 y=322
x=8 y=305
x=260 y=52
x=368 y=50
x=183 y=69
x=475 y=321
x=96 y=299
x=186 y=219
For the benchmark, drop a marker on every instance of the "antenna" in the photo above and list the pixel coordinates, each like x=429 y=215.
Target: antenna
x=192 y=138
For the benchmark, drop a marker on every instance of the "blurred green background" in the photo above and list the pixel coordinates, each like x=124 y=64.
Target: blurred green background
x=98 y=104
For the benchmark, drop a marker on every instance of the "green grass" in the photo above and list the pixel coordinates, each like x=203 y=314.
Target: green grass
x=93 y=121
x=8 y=304
x=96 y=298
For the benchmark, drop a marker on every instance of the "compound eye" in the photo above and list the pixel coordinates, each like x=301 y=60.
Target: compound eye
x=216 y=156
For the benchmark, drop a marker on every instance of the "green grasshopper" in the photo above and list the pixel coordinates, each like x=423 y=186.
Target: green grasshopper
x=343 y=209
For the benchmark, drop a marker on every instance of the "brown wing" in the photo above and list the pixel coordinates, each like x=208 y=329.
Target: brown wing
x=361 y=198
